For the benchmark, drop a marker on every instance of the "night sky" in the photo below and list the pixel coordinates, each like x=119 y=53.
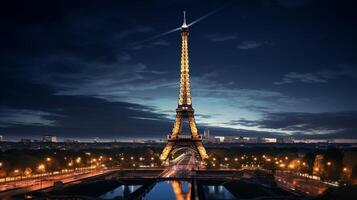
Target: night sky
x=85 y=69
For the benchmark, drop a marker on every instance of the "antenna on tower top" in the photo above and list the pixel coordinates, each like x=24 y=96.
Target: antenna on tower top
x=184 y=25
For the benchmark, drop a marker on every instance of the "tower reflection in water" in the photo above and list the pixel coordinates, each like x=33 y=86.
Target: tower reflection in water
x=180 y=191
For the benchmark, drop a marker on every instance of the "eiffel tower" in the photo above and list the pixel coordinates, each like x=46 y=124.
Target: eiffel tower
x=184 y=111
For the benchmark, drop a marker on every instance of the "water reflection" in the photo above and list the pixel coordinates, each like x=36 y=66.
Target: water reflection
x=176 y=190
x=161 y=191
x=179 y=190
x=217 y=192
x=121 y=192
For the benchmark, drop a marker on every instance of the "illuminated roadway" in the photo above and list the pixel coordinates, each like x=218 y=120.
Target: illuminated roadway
x=10 y=189
x=180 y=167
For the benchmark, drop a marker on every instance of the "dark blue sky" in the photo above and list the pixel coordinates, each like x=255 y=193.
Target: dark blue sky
x=87 y=69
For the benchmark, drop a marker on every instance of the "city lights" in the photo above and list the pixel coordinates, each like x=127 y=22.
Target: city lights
x=86 y=94
x=41 y=167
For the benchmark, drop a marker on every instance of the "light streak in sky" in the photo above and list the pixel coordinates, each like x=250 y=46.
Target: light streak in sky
x=190 y=24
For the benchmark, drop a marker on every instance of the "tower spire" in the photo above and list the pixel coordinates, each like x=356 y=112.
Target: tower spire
x=184 y=25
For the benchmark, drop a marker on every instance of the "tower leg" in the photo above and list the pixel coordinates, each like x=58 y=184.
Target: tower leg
x=167 y=150
x=201 y=150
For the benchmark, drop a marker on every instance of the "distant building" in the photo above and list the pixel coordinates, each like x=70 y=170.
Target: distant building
x=240 y=140
x=96 y=140
x=26 y=141
x=49 y=138
x=285 y=140
x=1 y=138
x=71 y=141
x=150 y=141
x=206 y=134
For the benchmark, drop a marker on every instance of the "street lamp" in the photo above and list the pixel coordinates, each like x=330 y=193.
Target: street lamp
x=41 y=167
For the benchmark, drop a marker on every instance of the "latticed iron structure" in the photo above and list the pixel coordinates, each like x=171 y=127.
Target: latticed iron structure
x=184 y=110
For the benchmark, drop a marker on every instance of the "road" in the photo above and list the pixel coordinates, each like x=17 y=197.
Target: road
x=299 y=185
x=180 y=168
x=45 y=182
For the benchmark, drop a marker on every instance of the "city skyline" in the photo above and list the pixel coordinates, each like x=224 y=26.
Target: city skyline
x=268 y=69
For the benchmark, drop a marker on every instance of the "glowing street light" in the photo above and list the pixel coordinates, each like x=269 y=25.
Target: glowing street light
x=48 y=159
x=41 y=167
x=328 y=163
x=1 y=164
x=345 y=169
x=78 y=160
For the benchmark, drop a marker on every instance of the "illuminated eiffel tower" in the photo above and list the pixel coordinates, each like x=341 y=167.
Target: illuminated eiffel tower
x=184 y=111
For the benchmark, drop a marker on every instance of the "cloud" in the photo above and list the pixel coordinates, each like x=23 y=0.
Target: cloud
x=220 y=38
x=322 y=76
x=145 y=45
x=135 y=30
x=300 y=123
x=41 y=110
x=124 y=58
x=292 y=3
x=16 y=117
x=161 y=43
x=249 y=44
